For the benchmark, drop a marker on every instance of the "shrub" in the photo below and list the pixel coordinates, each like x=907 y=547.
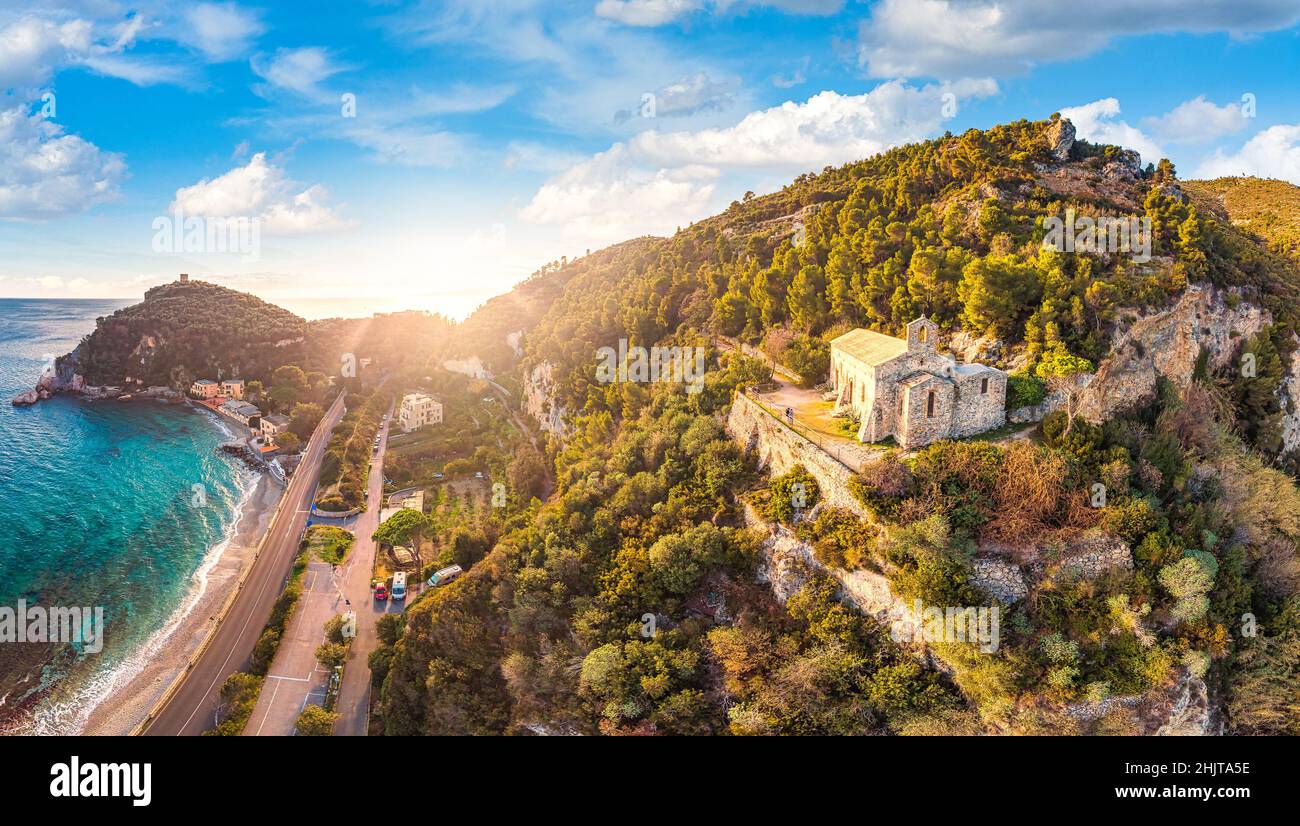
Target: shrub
x=1025 y=390
x=1189 y=580
x=794 y=491
x=315 y=721
x=238 y=698
x=883 y=485
x=1130 y=518
x=331 y=654
x=809 y=357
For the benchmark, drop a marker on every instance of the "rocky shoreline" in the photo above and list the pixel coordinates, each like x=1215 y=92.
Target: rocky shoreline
x=50 y=385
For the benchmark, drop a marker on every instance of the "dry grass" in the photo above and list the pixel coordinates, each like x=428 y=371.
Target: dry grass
x=1034 y=505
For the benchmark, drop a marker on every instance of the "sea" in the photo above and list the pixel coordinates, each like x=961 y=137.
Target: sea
x=122 y=506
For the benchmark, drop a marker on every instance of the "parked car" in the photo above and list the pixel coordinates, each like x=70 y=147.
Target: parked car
x=444 y=576
x=381 y=592
x=399 y=585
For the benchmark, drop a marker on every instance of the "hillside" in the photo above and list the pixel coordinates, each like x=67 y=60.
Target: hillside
x=632 y=601
x=678 y=579
x=1269 y=209
x=185 y=331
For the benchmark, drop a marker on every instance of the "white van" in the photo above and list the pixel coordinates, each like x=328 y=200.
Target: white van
x=399 y=585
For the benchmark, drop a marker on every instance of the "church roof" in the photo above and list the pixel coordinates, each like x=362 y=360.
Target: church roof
x=916 y=379
x=869 y=347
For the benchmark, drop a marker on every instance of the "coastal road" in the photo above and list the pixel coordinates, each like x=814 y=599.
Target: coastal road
x=191 y=707
x=353 y=703
x=295 y=678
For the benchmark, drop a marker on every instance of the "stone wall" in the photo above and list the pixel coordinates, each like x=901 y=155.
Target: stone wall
x=976 y=411
x=779 y=449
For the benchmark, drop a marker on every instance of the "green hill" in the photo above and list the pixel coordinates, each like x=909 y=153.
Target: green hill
x=185 y=331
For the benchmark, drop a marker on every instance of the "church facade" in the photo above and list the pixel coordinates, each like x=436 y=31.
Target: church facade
x=908 y=390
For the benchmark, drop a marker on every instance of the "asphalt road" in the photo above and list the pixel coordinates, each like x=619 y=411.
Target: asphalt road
x=192 y=708
x=353 y=704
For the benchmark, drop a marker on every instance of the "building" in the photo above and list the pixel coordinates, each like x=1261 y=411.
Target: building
x=233 y=388
x=273 y=424
x=243 y=412
x=419 y=410
x=908 y=390
x=205 y=389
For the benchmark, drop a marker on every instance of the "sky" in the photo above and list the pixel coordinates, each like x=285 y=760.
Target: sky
x=345 y=158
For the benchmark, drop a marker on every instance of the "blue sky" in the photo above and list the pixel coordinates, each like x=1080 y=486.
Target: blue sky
x=492 y=136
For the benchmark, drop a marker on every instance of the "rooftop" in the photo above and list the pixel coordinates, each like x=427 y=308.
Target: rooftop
x=241 y=407
x=870 y=347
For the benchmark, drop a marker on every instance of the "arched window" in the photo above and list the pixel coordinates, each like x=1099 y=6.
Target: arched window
x=929 y=405
x=923 y=334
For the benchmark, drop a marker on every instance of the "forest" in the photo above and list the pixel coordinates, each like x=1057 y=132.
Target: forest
x=629 y=602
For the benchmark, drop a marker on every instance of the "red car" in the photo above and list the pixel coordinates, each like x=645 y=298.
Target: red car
x=381 y=591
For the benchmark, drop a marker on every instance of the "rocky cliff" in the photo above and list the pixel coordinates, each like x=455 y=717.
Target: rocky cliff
x=1169 y=343
x=540 y=400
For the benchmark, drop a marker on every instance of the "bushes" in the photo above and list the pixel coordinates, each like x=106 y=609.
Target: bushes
x=810 y=358
x=238 y=698
x=794 y=492
x=1025 y=390
x=329 y=544
x=961 y=479
x=346 y=465
x=1264 y=685
x=315 y=721
x=840 y=539
x=883 y=486
x=1189 y=580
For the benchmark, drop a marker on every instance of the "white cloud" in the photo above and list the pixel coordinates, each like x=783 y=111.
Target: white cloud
x=646 y=12
x=45 y=173
x=298 y=70
x=221 y=31
x=659 y=12
x=688 y=96
x=1097 y=122
x=32 y=49
x=656 y=181
x=1273 y=153
x=261 y=190
x=1197 y=121
x=960 y=38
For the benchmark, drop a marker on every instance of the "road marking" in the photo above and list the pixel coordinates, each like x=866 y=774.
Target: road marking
x=269 y=704
x=313 y=454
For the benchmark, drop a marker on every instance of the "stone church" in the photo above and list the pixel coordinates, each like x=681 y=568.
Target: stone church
x=908 y=390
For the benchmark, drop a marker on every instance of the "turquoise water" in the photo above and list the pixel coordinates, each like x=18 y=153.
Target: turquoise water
x=98 y=507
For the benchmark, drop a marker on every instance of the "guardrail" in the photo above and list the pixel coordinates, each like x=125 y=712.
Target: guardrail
x=846 y=455
x=219 y=617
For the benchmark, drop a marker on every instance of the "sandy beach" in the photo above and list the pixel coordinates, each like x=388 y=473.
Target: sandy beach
x=127 y=703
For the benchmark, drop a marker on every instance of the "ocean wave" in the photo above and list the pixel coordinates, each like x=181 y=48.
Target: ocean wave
x=69 y=715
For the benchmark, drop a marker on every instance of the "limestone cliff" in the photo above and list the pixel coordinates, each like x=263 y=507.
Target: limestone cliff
x=1169 y=343
x=540 y=400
